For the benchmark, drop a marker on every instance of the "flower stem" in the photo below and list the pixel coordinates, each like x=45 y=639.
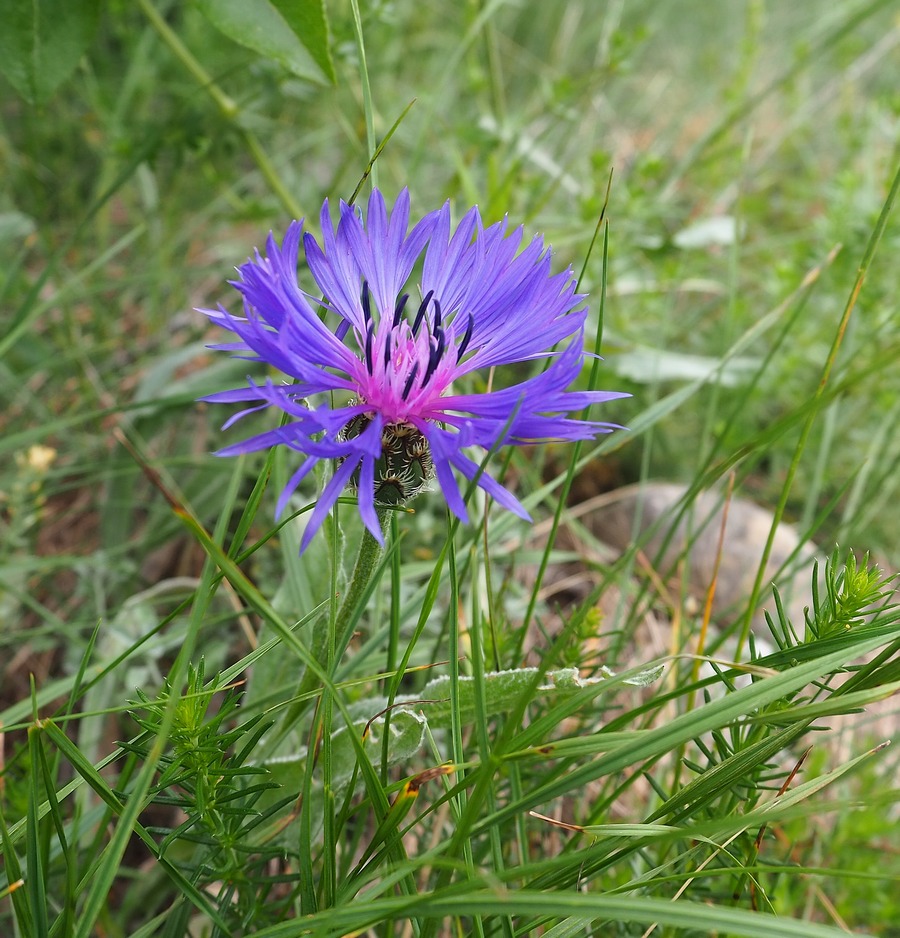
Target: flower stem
x=367 y=559
x=227 y=105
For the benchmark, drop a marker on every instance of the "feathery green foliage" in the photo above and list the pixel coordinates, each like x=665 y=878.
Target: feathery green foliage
x=488 y=729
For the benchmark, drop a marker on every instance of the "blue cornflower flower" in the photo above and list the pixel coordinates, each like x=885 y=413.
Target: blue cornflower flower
x=390 y=365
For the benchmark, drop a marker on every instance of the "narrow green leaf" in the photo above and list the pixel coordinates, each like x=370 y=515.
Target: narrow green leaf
x=569 y=928
x=128 y=814
x=308 y=20
x=259 y=26
x=35 y=879
x=722 y=776
x=835 y=705
x=716 y=714
x=41 y=43
x=782 y=805
x=699 y=917
x=14 y=878
x=66 y=897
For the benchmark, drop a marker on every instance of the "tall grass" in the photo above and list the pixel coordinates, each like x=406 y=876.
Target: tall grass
x=200 y=737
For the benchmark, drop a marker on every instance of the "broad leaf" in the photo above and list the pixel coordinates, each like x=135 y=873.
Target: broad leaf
x=258 y=25
x=309 y=22
x=41 y=42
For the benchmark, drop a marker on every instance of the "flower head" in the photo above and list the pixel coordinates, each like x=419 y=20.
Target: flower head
x=373 y=370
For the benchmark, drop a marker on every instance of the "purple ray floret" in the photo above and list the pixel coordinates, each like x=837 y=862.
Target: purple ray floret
x=390 y=349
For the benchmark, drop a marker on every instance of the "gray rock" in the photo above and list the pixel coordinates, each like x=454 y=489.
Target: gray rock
x=653 y=515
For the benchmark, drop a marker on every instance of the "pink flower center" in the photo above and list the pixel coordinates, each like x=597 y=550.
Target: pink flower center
x=407 y=366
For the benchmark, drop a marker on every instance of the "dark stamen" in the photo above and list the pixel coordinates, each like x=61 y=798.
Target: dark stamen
x=437 y=315
x=435 y=353
x=367 y=308
x=387 y=350
x=370 y=335
x=420 y=314
x=398 y=309
x=465 y=342
x=409 y=381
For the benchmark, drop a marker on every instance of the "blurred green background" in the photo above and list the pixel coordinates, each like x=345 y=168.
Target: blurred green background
x=746 y=139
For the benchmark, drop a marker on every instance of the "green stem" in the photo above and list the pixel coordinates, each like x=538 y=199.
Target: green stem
x=817 y=398
x=368 y=110
x=367 y=559
x=227 y=105
x=370 y=552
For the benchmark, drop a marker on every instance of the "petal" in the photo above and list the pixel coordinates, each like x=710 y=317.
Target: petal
x=292 y=484
x=442 y=445
x=339 y=287
x=367 y=498
x=234 y=418
x=329 y=496
x=449 y=259
x=288 y=435
x=501 y=495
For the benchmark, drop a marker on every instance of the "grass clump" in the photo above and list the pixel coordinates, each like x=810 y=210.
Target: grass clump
x=508 y=730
